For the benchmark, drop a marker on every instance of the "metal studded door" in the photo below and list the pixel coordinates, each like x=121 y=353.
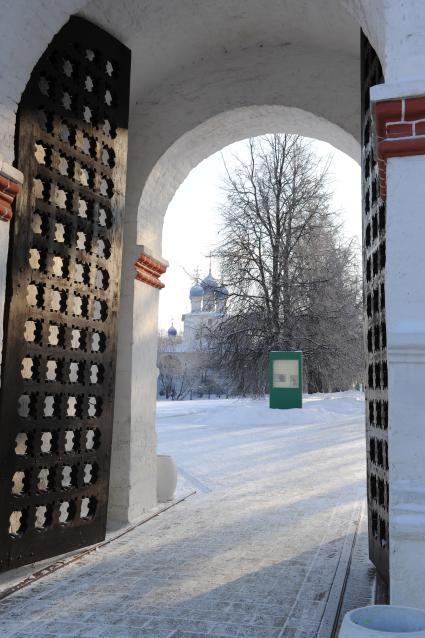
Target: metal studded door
x=376 y=336
x=62 y=298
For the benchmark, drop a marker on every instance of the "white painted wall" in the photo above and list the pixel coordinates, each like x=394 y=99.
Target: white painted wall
x=405 y=316
x=404 y=41
x=133 y=468
x=165 y=43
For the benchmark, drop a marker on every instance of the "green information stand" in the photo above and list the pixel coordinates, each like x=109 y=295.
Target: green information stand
x=286 y=380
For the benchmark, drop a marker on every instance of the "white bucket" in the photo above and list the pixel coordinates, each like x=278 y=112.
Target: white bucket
x=383 y=621
x=166 y=478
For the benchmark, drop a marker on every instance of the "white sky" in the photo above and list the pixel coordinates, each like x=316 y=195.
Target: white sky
x=192 y=220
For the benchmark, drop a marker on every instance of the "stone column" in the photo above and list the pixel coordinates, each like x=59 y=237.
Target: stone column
x=133 y=462
x=400 y=148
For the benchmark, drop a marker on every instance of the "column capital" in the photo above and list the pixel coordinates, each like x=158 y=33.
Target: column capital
x=10 y=184
x=399 y=123
x=149 y=269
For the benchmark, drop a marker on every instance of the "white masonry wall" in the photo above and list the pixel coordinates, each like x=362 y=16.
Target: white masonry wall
x=405 y=308
x=405 y=313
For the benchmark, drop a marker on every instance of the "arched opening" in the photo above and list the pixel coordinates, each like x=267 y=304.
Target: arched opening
x=171 y=132
x=191 y=231
x=197 y=143
x=229 y=455
x=220 y=451
x=190 y=241
x=208 y=97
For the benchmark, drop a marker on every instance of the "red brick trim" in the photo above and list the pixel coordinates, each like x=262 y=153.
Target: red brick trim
x=8 y=192
x=400 y=131
x=149 y=271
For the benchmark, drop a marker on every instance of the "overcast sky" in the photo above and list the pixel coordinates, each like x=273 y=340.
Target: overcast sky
x=192 y=221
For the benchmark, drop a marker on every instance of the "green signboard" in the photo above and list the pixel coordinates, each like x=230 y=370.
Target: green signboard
x=286 y=380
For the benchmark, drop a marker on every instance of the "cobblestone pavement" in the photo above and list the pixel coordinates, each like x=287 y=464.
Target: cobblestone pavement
x=253 y=554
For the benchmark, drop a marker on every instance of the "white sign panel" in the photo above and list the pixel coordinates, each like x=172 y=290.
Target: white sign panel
x=285 y=373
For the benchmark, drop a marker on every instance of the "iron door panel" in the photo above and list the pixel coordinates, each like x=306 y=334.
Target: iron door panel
x=62 y=297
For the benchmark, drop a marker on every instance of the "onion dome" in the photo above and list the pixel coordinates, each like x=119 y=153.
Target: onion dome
x=172 y=332
x=209 y=282
x=222 y=292
x=196 y=291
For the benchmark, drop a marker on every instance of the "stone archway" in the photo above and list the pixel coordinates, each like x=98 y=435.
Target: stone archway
x=138 y=323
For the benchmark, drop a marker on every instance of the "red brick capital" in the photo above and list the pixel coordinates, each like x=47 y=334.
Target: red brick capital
x=8 y=191
x=400 y=131
x=149 y=271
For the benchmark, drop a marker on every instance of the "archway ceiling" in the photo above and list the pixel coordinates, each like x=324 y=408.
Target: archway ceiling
x=171 y=37
x=167 y=37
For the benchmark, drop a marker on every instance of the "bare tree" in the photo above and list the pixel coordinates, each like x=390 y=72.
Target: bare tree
x=175 y=379
x=293 y=280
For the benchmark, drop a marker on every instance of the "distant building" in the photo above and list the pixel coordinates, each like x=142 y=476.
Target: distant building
x=184 y=362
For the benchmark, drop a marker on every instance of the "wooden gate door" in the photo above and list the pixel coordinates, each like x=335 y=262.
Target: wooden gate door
x=374 y=244
x=59 y=357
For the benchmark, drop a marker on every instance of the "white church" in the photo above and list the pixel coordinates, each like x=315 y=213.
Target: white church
x=184 y=361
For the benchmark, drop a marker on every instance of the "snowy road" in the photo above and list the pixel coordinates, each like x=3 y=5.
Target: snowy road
x=253 y=554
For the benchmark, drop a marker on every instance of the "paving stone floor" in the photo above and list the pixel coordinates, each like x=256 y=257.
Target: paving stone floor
x=253 y=554
x=360 y=586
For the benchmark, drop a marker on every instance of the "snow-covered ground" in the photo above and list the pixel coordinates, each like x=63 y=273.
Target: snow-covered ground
x=317 y=408
x=217 y=441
